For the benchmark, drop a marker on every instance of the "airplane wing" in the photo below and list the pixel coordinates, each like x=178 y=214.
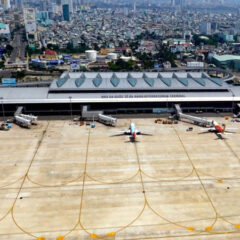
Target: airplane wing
x=127 y=132
x=231 y=129
x=118 y=135
x=146 y=134
x=138 y=132
x=207 y=129
x=204 y=132
x=143 y=132
x=122 y=133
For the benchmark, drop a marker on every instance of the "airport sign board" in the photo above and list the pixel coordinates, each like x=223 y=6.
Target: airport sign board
x=9 y=81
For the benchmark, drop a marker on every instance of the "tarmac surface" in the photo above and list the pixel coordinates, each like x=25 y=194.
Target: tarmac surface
x=60 y=181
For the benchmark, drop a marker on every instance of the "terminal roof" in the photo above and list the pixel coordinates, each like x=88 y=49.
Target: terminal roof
x=135 y=80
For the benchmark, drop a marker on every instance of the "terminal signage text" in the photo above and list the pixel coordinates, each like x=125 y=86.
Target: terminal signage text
x=146 y=96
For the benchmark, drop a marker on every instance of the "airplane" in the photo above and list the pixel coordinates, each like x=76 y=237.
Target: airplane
x=218 y=130
x=214 y=127
x=23 y=121
x=133 y=132
x=29 y=117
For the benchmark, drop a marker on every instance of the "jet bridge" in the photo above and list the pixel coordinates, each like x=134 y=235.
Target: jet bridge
x=196 y=120
x=19 y=111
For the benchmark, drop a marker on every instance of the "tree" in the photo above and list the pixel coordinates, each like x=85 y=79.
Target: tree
x=121 y=44
x=20 y=74
x=53 y=47
x=9 y=47
x=166 y=55
x=96 y=47
x=210 y=40
x=134 y=45
x=122 y=65
x=1 y=64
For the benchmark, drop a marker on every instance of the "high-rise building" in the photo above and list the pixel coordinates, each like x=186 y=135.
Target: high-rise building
x=206 y=28
x=6 y=4
x=134 y=7
x=214 y=27
x=183 y=3
x=178 y=3
x=43 y=5
x=69 y=3
x=18 y=4
x=66 y=12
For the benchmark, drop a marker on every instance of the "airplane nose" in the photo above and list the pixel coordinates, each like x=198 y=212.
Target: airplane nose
x=134 y=135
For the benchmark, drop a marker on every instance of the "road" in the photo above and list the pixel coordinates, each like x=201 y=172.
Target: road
x=19 y=47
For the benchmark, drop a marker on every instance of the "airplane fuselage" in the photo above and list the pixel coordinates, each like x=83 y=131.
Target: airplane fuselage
x=132 y=129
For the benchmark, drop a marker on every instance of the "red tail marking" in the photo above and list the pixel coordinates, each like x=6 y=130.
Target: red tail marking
x=219 y=129
x=134 y=135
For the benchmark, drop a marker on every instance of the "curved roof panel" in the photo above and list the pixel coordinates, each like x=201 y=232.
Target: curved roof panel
x=149 y=81
x=217 y=81
x=166 y=81
x=136 y=80
x=115 y=80
x=80 y=81
x=61 y=81
x=183 y=81
x=97 y=80
x=200 y=81
x=132 y=81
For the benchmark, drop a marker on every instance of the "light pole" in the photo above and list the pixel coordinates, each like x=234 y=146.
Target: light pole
x=3 y=109
x=70 y=99
x=233 y=95
x=167 y=103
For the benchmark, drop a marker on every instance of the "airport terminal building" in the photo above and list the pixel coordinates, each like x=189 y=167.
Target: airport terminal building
x=123 y=92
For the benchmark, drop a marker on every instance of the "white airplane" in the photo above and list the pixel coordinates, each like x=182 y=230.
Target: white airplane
x=218 y=130
x=23 y=121
x=133 y=132
x=29 y=117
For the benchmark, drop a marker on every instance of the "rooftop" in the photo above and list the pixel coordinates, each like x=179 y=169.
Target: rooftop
x=2 y=26
x=102 y=87
x=223 y=58
x=136 y=80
